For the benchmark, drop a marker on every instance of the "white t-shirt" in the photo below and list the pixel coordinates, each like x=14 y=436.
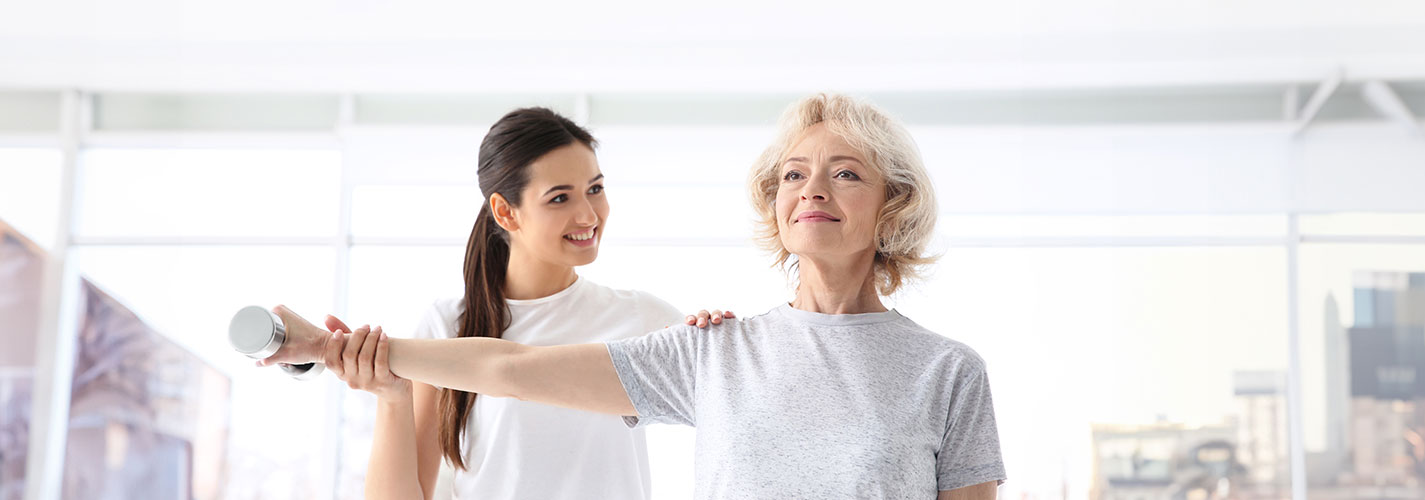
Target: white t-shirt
x=522 y=449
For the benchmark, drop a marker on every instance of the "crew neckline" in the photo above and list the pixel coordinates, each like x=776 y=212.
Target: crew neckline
x=576 y=285
x=793 y=313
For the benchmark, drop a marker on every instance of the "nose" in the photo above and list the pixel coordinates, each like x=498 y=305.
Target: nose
x=586 y=216
x=814 y=189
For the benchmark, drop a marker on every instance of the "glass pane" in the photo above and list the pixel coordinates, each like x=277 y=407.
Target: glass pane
x=698 y=156
x=21 y=274
x=1125 y=370
x=266 y=111
x=672 y=213
x=1363 y=355
x=391 y=287
x=1372 y=224
x=30 y=111
x=446 y=109
x=278 y=425
x=1162 y=226
x=209 y=192
x=29 y=192
x=415 y=211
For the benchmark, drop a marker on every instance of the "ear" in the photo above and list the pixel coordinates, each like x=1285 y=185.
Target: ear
x=504 y=212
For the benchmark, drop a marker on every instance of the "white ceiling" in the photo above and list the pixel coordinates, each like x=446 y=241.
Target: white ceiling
x=735 y=45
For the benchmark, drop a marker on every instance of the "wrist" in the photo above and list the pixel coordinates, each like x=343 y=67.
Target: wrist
x=396 y=397
x=310 y=346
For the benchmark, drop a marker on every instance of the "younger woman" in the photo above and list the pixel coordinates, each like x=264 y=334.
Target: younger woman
x=543 y=214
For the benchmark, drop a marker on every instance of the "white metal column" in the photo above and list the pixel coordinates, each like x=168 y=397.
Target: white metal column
x=60 y=309
x=341 y=245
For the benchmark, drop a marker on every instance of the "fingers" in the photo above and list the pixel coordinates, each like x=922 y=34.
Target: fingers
x=383 y=353
x=353 y=350
x=332 y=356
x=336 y=325
x=304 y=339
x=704 y=318
x=364 y=365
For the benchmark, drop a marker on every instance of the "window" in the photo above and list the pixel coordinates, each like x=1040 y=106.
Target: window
x=1363 y=352
x=30 y=190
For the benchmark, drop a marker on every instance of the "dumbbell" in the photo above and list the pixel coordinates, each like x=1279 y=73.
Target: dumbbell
x=257 y=333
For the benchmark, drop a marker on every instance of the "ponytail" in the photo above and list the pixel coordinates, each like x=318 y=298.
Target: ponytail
x=485 y=315
x=513 y=143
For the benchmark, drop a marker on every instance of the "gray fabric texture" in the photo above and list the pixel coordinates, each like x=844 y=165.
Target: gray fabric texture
x=796 y=404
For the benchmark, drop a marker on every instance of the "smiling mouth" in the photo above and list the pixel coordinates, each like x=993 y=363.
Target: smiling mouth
x=585 y=235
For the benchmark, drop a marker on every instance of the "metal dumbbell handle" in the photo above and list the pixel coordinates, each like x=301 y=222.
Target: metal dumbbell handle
x=257 y=333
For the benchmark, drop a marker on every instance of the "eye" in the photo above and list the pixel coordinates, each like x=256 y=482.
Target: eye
x=560 y=199
x=792 y=176
x=596 y=189
x=847 y=174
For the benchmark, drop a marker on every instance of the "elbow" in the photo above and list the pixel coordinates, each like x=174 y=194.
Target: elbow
x=504 y=375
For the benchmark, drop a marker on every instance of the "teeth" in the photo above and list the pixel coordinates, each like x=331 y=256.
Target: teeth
x=581 y=236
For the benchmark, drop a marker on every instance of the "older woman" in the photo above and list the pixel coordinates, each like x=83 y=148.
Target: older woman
x=830 y=395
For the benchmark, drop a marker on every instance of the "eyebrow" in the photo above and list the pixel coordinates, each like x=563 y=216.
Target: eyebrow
x=833 y=159
x=566 y=186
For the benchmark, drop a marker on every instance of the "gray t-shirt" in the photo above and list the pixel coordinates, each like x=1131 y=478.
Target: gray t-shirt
x=796 y=404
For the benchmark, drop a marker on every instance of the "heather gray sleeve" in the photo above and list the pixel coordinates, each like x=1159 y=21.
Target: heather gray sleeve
x=969 y=453
x=658 y=372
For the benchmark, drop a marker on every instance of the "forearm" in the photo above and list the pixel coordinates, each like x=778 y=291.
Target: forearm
x=580 y=376
x=471 y=364
x=392 y=471
x=982 y=491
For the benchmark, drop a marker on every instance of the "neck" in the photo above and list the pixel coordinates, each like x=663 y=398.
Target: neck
x=528 y=278
x=837 y=287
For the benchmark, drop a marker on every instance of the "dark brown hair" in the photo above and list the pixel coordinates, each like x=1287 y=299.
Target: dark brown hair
x=512 y=144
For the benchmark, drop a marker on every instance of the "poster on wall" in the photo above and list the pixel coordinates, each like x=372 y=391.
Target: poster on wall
x=147 y=418
x=21 y=271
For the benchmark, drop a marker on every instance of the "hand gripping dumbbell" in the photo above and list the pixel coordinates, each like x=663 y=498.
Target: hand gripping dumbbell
x=257 y=333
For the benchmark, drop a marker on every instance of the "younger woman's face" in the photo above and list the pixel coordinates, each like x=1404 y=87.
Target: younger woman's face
x=563 y=208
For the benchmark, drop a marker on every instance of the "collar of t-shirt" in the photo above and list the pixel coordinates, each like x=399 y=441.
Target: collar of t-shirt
x=795 y=314
x=573 y=288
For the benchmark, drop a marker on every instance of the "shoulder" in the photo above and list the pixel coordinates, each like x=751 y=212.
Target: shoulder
x=440 y=318
x=446 y=308
x=952 y=355
x=645 y=303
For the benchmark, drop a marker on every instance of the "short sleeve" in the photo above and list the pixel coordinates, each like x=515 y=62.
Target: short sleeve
x=658 y=313
x=969 y=452
x=658 y=371
x=433 y=324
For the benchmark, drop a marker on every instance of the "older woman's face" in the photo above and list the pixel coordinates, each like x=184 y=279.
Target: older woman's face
x=828 y=198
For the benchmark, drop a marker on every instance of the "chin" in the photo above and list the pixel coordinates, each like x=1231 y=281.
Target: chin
x=584 y=258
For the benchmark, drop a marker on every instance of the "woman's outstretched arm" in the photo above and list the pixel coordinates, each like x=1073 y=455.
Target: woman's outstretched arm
x=579 y=376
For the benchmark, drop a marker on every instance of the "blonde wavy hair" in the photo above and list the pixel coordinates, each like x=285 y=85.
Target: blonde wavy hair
x=907 y=220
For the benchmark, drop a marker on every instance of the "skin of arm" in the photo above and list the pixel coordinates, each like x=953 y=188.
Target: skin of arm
x=401 y=467
x=982 y=491
x=405 y=458
x=580 y=376
x=392 y=471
